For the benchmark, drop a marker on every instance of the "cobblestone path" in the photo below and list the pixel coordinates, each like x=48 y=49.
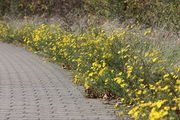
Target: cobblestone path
x=31 y=89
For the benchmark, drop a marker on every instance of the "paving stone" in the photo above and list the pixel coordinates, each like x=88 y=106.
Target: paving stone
x=31 y=89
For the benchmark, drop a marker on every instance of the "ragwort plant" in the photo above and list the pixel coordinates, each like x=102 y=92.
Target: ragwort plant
x=119 y=63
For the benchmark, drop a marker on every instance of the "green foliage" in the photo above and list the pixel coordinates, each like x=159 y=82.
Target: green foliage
x=21 y=8
x=164 y=13
x=119 y=63
x=161 y=13
x=6 y=33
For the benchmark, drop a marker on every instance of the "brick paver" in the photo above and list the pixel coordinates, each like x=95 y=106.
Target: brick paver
x=31 y=89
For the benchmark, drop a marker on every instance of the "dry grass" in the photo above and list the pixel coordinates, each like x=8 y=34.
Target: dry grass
x=166 y=41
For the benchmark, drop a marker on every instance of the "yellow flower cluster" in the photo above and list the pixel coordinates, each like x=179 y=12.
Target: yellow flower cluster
x=119 y=63
x=5 y=32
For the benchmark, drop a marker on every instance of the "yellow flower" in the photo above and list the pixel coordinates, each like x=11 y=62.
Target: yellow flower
x=86 y=85
x=123 y=50
x=173 y=108
x=146 y=54
x=136 y=115
x=159 y=103
x=120 y=113
x=104 y=64
x=116 y=105
x=139 y=92
x=165 y=88
x=152 y=87
x=122 y=99
x=123 y=85
x=106 y=81
x=175 y=76
x=167 y=108
x=107 y=55
x=143 y=114
x=154 y=59
x=142 y=86
x=54 y=58
x=145 y=91
x=118 y=80
x=166 y=75
x=144 y=104
x=177 y=81
x=159 y=82
x=127 y=90
x=177 y=88
x=54 y=48
x=178 y=69
x=129 y=70
x=156 y=115
x=90 y=55
x=43 y=26
x=120 y=73
x=141 y=80
x=141 y=68
x=91 y=74
x=147 y=32
x=154 y=53
x=102 y=72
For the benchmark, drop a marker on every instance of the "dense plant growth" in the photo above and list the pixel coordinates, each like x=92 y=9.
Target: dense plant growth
x=119 y=63
x=161 y=13
x=164 y=13
x=20 y=8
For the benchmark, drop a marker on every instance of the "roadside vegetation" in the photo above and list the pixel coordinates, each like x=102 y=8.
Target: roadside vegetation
x=153 y=13
x=120 y=65
x=139 y=67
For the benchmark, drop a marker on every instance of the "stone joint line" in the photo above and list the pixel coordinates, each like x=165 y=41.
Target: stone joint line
x=31 y=89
